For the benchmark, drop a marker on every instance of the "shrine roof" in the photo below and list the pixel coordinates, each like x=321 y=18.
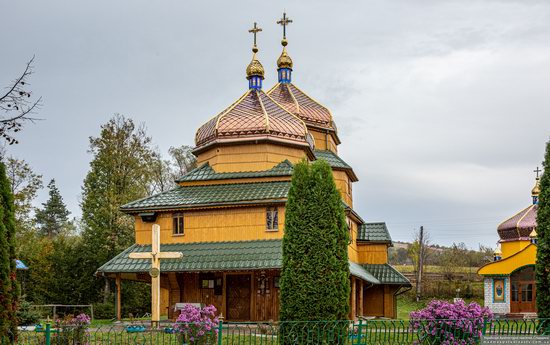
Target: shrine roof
x=374 y=232
x=205 y=172
x=520 y=225
x=387 y=274
x=302 y=105
x=254 y=116
x=214 y=256
x=335 y=162
x=212 y=195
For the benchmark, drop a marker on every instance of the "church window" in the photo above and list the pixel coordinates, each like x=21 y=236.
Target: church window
x=177 y=227
x=272 y=219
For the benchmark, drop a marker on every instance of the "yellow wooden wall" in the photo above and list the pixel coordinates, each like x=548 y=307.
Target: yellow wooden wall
x=512 y=247
x=372 y=253
x=249 y=157
x=213 y=225
x=323 y=140
x=343 y=184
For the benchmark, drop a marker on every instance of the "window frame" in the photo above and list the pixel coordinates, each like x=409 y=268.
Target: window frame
x=272 y=225
x=178 y=224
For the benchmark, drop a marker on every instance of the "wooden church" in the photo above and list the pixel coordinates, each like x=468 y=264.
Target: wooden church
x=227 y=216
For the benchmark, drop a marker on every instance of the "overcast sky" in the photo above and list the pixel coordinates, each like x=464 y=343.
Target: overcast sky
x=443 y=107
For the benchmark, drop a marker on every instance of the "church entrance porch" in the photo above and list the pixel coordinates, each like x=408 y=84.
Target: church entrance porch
x=523 y=291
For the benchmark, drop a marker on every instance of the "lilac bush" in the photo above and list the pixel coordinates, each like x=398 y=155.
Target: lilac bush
x=446 y=323
x=74 y=329
x=197 y=325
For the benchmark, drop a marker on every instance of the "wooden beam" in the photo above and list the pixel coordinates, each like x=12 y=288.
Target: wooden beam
x=361 y=292
x=118 y=284
x=224 y=295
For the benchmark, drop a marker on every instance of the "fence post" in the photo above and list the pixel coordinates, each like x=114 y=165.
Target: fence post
x=220 y=331
x=359 y=332
x=47 y=333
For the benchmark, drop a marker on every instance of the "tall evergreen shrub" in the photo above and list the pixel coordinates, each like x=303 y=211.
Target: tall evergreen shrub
x=8 y=285
x=542 y=269
x=315 y=278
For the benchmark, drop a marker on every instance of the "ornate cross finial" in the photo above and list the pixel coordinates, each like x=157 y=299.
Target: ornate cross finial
x=537 y=171
x=255 y=30
x=284 y=22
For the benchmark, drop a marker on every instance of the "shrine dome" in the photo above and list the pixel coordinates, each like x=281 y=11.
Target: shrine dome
x=254 y=117
x=522 y=224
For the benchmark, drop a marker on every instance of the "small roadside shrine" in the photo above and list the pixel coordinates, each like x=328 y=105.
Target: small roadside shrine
x=509 y=281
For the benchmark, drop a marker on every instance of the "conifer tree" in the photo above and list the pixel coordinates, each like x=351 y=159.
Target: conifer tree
x=542 y=268
x=8 y=285
x=315 y=276
x=53 y=218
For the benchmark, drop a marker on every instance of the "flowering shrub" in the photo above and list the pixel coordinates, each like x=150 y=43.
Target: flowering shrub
x=446 y=323
x=197 y=325
x=74 y=330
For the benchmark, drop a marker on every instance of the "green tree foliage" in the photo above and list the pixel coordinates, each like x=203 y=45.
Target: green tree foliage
x=24 y=184
x=53 y=218
x=542 y=268
x=119 y=173
x=315 y=278
x=9 y=291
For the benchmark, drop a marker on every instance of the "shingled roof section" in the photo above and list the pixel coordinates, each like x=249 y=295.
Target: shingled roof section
x=206 y=173
x=212 y=195
x=386 y=274
x=335 y=162
x=214 y=256
x=374 y=232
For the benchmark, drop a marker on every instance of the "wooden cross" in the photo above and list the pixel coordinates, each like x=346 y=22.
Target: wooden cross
x=155 y=255
x=537 y=171
x=284 y=22
x=255 y=30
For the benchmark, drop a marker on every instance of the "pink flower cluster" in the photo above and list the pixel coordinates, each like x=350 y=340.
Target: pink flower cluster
x=197 y=324
x=451 y=323
x=81 y=320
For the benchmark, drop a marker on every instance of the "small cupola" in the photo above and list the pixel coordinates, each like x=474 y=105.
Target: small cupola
x=284 y=62
x=255 y=70
x=536 y=189
x=497 y=255
x=533 y=236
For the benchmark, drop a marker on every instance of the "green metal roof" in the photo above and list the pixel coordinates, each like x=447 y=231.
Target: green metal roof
x=214 y=256
x=375 y=232
x=386 y=274
x=205 y=173
x=212 y=195
x=335 y=162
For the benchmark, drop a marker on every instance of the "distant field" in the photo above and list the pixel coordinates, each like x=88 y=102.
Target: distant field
x=434 y=269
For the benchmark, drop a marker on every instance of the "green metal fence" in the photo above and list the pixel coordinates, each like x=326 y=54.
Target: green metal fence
x=364 y=332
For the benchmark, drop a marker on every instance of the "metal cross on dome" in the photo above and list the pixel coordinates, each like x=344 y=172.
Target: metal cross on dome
x=255 y=30
x=284 y=22
x=155 y=255
x=537 y=171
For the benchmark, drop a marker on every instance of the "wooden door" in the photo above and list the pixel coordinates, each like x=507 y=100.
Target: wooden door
x=238 y=297
x=523 y=291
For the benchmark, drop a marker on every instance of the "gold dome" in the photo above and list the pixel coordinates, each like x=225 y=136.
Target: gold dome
x=536 y=190
x=284 y=61
x=254 y=68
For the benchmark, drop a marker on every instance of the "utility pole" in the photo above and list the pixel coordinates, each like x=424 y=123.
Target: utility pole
x=420 y=264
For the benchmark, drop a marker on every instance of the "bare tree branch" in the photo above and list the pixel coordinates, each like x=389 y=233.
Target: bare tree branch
x=16 y=106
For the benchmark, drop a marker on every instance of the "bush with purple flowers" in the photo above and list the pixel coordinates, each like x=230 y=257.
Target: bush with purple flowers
x=446 y=323
x=73 y=329
x=197 y=325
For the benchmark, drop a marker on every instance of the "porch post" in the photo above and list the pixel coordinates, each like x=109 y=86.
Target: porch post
x=361 y=292
x=118 y=284
x=353 y=303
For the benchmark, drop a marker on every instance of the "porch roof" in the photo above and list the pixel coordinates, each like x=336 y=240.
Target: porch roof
x=214 y=256
x=374 y=232
x=387 y=274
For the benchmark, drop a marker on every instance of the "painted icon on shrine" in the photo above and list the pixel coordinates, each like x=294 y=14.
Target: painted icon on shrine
x=498 y=290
